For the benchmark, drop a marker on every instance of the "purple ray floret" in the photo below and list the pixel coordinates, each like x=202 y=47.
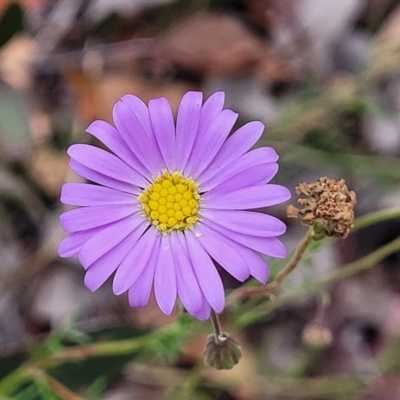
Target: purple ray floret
x=170 y=200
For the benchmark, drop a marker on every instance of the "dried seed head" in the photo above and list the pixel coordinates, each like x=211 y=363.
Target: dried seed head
x=328 y=206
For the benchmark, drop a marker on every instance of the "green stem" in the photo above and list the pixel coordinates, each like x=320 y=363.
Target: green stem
x=103 y=349
x=13 y=380
x=345 y=271
x=363 y=263
x=217 y=326
x=361 y=222
x=297 y=256
x=52 y=385
x=280 y=277
x=376 y=217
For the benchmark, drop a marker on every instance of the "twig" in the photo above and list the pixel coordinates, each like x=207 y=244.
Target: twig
x=343 y=272
x=54 y=385
x=280 y=277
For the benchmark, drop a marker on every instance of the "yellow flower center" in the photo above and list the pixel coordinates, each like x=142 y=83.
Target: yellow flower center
x=171 y=202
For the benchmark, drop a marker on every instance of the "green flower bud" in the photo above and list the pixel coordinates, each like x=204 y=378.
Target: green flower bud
x=222 y=352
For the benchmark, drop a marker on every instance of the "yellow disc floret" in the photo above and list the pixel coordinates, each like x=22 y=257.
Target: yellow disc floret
x=171 y=202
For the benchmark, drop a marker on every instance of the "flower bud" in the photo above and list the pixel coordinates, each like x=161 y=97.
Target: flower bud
x=222 y=352
x=317 y=335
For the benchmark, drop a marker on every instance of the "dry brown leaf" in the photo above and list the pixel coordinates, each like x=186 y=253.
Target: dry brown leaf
x=270 y=13
x=212 y=44
x=49 y=168
x=4 y=4
x=96 y=97
x=113 y=86
x=278 y=68
x=391 y=29
x=16 y=60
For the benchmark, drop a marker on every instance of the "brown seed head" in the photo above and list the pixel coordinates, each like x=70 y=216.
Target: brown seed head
x=328 y=206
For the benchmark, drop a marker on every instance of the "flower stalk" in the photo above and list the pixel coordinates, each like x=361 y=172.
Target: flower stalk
x=294 y=261
x=222 y=351
x=219 y=336
x=281 y=276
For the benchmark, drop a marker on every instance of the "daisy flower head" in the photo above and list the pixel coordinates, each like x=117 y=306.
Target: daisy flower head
x=168 y=201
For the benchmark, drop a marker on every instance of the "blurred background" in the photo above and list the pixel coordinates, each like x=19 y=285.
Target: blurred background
x=323 y=76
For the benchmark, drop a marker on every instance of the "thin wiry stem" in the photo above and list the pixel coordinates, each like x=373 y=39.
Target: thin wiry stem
x=280 y=277
x=341 y=273
x=376 y=217
x=219 y=336
x=54 y=385
x=292 y=264
x=359 y=223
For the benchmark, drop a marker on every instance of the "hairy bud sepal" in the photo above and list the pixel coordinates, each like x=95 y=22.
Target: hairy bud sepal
x=222 y=352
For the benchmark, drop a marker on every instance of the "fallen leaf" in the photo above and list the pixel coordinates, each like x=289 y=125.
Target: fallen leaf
x=212 y=44
x=49 y=168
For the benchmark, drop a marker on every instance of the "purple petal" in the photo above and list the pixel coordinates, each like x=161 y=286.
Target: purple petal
x=247 y=198
x=109 y=237
x=204 y=313
x=101 y=269
x=95 y=277
x=84 y=218
x=102 y=179
x=234 y=147
x=109 y=136
x=206 y=273
x=223 y=250
x=270 y=246
x=105 y=163
x=141 y=142
x=188 y=288
x=210 y=110
x=163 y=125
x=72 y=244
x=139 y=108
x=256 y=175
x=165 y=287
x=139 y=292
x=246 y=222
x=186 y=126
x=258 y=266
x=135 y=262
x=256 y=157
x=84 y=194
x=207 y=146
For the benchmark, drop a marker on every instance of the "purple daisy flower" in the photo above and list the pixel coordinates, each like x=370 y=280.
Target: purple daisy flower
x=169 y=201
